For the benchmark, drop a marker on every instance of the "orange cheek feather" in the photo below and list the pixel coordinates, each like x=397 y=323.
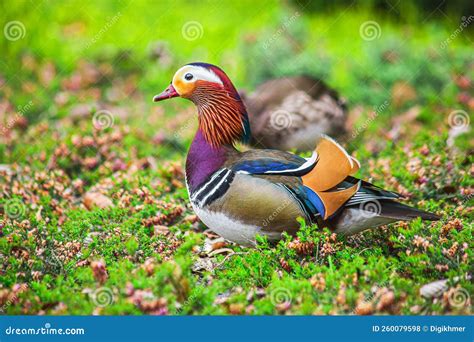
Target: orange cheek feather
x=184 y=89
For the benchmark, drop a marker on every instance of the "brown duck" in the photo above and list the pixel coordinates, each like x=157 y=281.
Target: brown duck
x=293 y=112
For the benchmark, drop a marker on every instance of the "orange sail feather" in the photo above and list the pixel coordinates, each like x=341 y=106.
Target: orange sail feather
x=334 y=165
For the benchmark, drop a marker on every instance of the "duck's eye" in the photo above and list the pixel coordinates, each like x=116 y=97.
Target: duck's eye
x=188 y=77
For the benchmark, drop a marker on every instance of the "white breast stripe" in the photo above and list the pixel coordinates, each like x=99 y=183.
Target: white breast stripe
x=224 y=178
x=208 y=182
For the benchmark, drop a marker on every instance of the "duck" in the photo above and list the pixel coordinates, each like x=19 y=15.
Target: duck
x=292 y=112
x=266 y=192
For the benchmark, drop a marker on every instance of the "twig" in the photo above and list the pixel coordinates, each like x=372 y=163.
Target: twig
x=227 y=257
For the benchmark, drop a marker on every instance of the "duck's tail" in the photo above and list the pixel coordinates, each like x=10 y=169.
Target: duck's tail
x=399 y=211
x=356 y=218
x=333 y=191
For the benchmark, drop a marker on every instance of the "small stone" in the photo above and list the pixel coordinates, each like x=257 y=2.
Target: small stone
x=283 y=307
x=191 y=218
x=160 y=230
x=364 y=308
x=386 y=300
x=236 y=308
x=96 y=199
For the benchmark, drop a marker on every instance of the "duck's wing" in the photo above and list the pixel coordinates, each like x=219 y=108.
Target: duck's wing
x=323 y=186
x=322 y=176
x=271 y=162
x=281 y=168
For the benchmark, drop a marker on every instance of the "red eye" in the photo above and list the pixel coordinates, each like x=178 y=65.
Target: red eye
x=188 y=77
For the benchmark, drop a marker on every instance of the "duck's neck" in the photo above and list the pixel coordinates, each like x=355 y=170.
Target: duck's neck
x=203 y=160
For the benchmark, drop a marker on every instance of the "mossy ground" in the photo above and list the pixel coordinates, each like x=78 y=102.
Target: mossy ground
x=97 y=221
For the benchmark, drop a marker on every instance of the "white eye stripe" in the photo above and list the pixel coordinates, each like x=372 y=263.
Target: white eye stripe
x=199 y=73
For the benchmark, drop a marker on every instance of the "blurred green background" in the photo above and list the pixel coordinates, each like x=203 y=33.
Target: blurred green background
x=250 y=40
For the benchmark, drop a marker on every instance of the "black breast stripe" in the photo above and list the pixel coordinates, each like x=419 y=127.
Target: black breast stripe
x=220 y=189
x=201 y=189
x=214 y=188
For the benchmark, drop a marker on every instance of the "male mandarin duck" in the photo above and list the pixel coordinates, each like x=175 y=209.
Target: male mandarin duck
x=293 y=112
x=241 y=194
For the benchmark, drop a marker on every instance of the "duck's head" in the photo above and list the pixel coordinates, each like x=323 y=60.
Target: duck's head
x=223 y=118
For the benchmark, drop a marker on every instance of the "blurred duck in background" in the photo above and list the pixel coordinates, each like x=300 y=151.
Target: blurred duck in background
x=291 y=113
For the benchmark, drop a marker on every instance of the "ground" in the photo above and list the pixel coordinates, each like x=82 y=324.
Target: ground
x=95 y=213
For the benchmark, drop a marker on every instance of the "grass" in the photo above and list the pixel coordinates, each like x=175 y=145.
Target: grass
x=97 y=221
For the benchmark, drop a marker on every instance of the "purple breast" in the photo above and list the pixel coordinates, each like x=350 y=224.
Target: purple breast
x=202 y=161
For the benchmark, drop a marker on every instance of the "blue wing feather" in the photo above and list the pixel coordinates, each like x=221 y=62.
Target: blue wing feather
x=314 y=199
x=295 y=166
x=264 y=165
